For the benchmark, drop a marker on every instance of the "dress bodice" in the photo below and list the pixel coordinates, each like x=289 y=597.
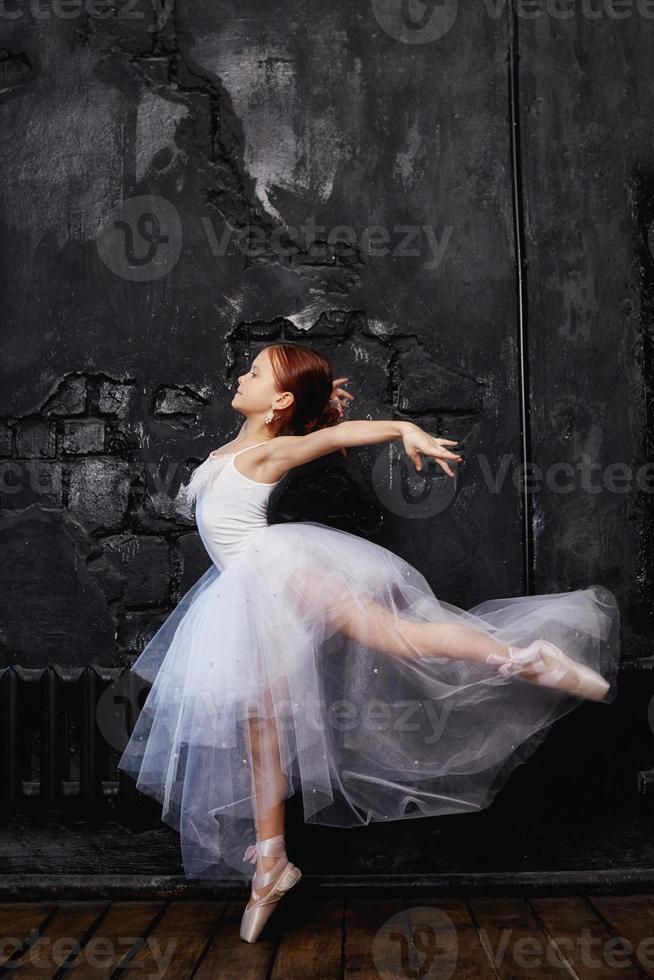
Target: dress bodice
x=230 y=508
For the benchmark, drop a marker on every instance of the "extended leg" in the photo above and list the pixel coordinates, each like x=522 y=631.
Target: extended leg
x=541 y=663
x=369 y=623
x=376 y=626
x=372 y=624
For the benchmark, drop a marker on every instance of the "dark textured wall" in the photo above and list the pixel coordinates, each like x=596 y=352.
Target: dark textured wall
x=506 y=300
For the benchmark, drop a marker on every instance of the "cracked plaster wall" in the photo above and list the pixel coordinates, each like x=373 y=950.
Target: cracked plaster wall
x=239 y=120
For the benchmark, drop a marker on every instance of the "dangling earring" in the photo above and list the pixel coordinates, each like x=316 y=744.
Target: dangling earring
x=269 y=416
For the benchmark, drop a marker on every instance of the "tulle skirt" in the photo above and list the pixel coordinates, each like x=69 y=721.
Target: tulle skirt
x=273 y=675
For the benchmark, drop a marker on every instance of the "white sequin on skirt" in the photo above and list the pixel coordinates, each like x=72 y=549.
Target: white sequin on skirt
x=364 y=735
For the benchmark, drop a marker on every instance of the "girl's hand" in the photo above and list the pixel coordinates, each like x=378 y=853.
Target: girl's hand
x=340 y=393
x=417 y=441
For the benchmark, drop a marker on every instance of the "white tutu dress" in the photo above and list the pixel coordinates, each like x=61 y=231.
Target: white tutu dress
x=260 y=644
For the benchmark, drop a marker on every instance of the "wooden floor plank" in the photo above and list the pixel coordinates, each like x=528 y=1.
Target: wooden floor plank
x=228 y=957
x=515 y=943
x=69 y=926
x=447 y=940
x=374 y=942
x=631 y=917
x=177 y=943
x=477 y=938
x=311 y=942
x=579 y=932
x=20 y=924
x=581 y=937
x=115 y=938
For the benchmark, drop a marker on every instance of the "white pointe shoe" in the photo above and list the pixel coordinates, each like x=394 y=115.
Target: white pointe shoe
x=284 y=873
x=560 y=673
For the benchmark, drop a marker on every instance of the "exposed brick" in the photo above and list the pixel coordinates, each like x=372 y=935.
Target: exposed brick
x=68 y=399
x=115 y=397
x=99 y=492
x=83 y=437
x=35 y=439
x=177 y=401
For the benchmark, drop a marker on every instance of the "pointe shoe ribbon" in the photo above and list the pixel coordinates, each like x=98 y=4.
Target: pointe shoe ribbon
x=270 y=847
x=285 y=875
x=530 y=656
x=587 y=682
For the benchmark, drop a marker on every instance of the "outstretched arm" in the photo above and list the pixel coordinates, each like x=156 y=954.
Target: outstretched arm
x=289 y=451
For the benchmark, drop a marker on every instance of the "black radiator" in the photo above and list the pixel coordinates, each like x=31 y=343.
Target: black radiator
x=64 y=730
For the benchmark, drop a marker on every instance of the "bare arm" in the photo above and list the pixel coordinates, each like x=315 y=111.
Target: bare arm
x=287 y=452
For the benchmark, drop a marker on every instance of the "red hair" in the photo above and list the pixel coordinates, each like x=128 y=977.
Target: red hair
x=309 y=376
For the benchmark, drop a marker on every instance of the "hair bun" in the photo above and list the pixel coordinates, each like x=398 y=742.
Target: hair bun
x=330 y=415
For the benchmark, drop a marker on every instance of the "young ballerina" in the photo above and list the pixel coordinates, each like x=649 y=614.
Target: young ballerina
x=307 y=658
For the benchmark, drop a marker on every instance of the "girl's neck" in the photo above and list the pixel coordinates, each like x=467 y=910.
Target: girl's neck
x=245 y=436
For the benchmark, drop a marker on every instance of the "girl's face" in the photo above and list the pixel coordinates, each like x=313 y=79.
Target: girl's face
x=256 y=393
